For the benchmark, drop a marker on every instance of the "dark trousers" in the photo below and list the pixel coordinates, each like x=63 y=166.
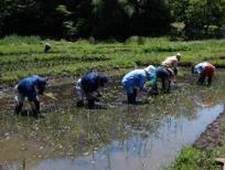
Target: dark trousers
x=164 y=75
x=202 y=78
x=165 y=84
x=131 y=98
x=35 y=110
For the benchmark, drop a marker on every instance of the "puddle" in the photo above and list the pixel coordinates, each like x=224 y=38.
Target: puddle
x=142 y=150
x=123 y=137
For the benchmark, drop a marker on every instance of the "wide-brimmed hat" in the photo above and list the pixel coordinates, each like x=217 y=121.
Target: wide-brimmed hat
x=150 y=68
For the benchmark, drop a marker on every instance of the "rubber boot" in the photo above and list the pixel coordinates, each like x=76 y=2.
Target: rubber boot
x=131 y=99
x=80 y=103
x=91 y=103
x=37 y=104
x=18 y=109
x=36 y=110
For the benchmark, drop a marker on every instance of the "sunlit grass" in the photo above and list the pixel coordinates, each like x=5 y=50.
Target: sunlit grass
x=195 y=159
x=21 y=56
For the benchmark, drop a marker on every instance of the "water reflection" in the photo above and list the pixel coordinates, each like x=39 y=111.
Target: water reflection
x=126 y=137
x=142 y=151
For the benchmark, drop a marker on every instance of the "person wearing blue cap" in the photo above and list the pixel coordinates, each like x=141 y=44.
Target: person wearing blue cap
x=136 y=79
x=30 y=87
x=88 y=87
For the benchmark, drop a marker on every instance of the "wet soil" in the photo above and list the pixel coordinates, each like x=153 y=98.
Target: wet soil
x=63 y=91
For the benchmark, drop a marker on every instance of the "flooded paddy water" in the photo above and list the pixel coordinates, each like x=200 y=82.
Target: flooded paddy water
x=144 y=137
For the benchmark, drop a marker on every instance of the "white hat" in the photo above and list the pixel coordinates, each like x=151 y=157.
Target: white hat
x=150 y=68
x=178 y=55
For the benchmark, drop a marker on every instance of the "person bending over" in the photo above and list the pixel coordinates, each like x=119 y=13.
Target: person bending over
x=30 y=87
x=136 y=79
x=204 y=70
x=165 y=75
x=172 y=62
x=87 y=87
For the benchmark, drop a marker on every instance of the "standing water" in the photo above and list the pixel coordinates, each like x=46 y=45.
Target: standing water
x=121 y=137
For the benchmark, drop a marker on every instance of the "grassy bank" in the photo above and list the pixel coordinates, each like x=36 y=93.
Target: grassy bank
x=21 y=56
x=205 y=151
x=195 y=159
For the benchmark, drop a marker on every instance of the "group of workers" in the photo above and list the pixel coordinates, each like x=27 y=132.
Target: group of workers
x=87 y=87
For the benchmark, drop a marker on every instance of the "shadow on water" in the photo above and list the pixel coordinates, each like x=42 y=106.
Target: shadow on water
x=120 y=137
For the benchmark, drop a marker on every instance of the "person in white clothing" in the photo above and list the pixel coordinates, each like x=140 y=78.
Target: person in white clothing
x=172 y=62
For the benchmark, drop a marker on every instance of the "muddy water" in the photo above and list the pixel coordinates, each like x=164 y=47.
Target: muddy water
x=144 y=149
x=123 y=137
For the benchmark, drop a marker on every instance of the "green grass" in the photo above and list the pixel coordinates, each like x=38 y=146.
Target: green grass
x=21 y=56
x=194 y=159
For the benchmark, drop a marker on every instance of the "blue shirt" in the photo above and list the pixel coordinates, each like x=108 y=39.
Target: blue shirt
x=89 y=82
x=137 y=78
x=27 y=85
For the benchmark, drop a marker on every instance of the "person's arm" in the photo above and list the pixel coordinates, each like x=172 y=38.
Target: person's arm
x=31 y=95
x=142 y=82
x=153 y=80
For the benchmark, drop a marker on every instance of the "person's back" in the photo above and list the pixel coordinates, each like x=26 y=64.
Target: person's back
x=135 y=78
x=27 y=87
x=27 y=84
x=162 y=72
x=89 y=82
x=204 y=69
x=202 y=66
x=172 y=61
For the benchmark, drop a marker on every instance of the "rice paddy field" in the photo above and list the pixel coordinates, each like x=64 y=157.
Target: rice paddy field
x=162 y=132
x=21 y=56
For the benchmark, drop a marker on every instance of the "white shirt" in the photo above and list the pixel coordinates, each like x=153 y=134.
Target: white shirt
x=170 y=62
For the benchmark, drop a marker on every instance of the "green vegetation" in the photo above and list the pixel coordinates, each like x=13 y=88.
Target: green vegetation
x=113 y=19
x=70 y=128
x=21 y=56
x=194 y=159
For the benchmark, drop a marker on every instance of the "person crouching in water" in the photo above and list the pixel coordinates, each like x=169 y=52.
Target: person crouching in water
x=30 y=87
x=204 y=69
x=165 y=75
x=136 y=79
x=87 y=86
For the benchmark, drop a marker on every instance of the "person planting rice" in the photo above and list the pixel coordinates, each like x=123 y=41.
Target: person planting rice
x=165 y=75
x=47 y=47
x=136 y=79
x=172 y=62
x=87 y=86
x=30 y=87
x=204 y=69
